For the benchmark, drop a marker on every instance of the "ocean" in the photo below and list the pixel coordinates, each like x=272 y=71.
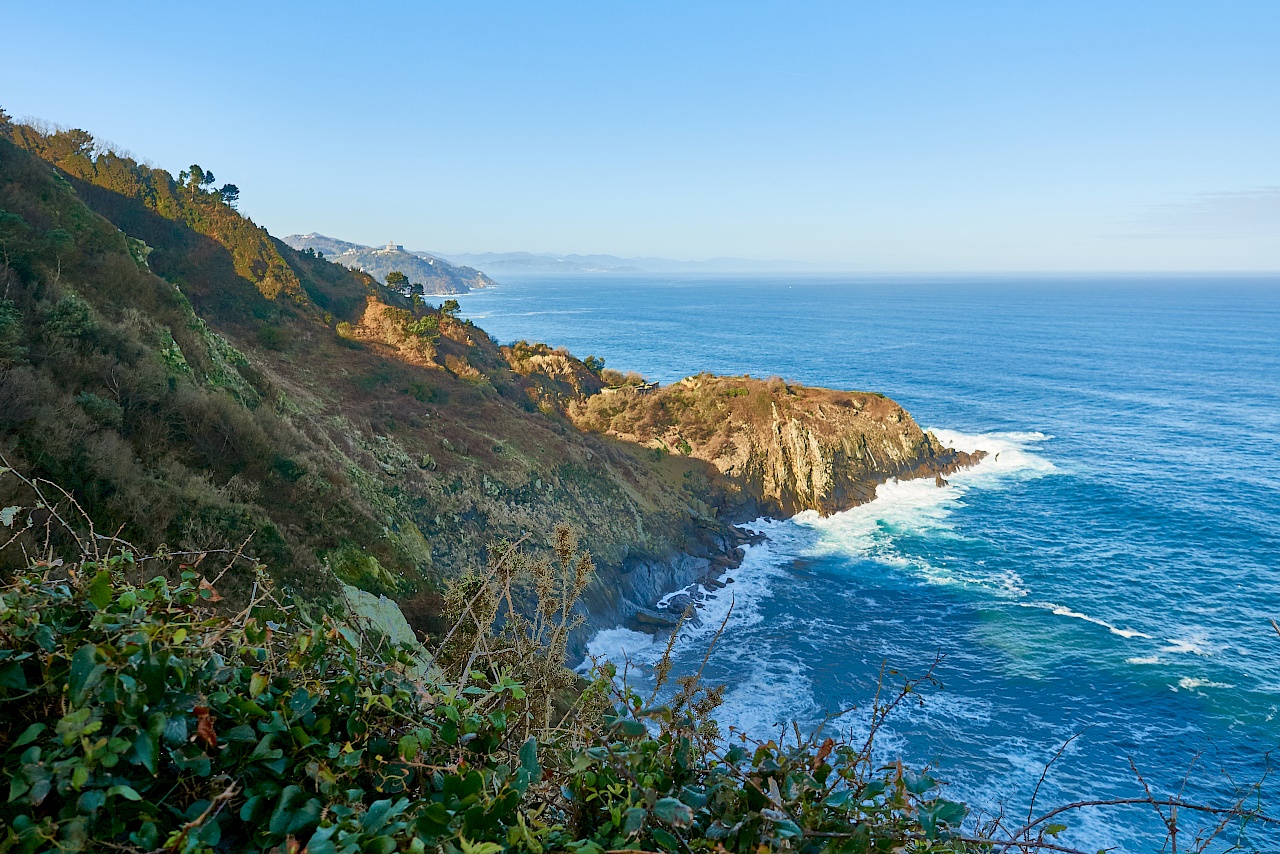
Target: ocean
x=1111 y=575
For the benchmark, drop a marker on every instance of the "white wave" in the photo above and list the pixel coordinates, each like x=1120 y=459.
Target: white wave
x=1143 y=659
x=773 y=690
x=1196 y=642
x=1008 y=454
x=919 y=508
x=619 y=646
x=736 y=606
x=1191 y=683
x=1063 y=611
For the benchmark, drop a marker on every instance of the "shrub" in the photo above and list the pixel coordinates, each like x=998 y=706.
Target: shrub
x=139 y=716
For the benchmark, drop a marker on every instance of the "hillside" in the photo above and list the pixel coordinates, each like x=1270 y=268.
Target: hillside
x=196 y=383
x=426 y=273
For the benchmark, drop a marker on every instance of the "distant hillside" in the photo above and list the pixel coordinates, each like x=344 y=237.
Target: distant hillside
x=528 y=262
x=327 y=246
x=435 y=275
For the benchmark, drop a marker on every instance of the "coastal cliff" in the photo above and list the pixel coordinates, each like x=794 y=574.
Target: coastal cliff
x=780 y=448
x=200 y=385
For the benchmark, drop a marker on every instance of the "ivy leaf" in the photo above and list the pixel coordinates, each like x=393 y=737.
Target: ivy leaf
x=628 y=728
x=100 y=589
x=83 y=665
x=665 y=839
x=29 y=734
x=787 y=829
x=529 y=758
x=257 y=684
x=146 y=749
x=11 y=676
x=673 y=812
x=950 y=812
x=126 y=792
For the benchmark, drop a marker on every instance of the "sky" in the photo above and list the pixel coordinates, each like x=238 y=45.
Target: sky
x=887 y=136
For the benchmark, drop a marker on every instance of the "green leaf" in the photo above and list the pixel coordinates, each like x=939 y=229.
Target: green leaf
x=83 y=663
x=529 y=758
x=251 y=807
x=12 y=677
x=91 y=801
x=633 y=821
x=665 y=839
x=29 y=734
x=693 y=797
x=437 y=814
x=1055 y=829
x=787 y=829
x=950 y=812
x=257 y=684
x=628 y=728
x=284 y=811
x=100 y=589
x=376 y=817
x=7 y=515
x=146 y=837
x=920 y=785
x=673 y=812
x=126 y=792
x=146 y=750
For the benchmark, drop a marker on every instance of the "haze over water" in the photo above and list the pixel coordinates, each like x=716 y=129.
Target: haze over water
x=1111 y=573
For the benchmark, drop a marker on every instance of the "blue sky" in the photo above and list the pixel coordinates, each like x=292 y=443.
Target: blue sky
x=888 y=136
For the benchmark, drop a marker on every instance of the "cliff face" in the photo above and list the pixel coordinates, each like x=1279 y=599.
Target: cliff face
x=780 y=448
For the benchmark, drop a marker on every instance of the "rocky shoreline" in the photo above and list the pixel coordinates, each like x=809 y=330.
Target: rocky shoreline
x=652 y=594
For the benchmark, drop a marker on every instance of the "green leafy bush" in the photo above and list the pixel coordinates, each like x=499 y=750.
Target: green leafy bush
x=140 y=716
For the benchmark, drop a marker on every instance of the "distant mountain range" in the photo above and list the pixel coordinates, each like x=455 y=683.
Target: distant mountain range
x=530 y=262
x=424 y=266
x=436 y=275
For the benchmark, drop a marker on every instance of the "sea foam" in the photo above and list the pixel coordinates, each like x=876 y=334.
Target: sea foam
x=870 y=531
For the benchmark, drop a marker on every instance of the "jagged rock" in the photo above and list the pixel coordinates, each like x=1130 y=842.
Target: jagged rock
x=678 y=603
x=651 y=619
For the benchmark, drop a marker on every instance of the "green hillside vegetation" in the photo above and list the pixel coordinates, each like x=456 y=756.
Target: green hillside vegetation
x=192 y=394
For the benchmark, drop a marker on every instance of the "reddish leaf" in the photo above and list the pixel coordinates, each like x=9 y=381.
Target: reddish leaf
x=213 y=594
x=204 y=728
x=823 y=752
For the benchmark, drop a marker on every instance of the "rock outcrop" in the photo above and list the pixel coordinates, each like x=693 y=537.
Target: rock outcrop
x=781 y=448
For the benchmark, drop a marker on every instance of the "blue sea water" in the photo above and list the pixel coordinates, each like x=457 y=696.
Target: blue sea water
x=1113 y=573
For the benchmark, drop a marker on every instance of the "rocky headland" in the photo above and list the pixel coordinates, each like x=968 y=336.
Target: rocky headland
x=769 y=449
